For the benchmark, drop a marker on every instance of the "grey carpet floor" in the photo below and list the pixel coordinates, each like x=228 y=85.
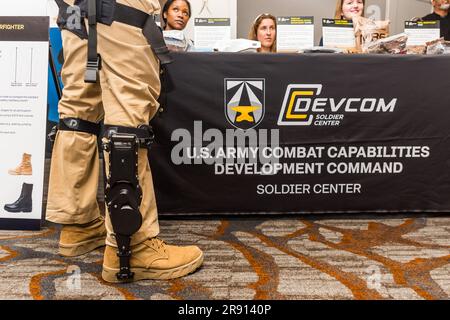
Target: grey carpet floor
x=305 y=257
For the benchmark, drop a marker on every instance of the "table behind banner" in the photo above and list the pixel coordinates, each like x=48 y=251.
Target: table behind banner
x=323 y=133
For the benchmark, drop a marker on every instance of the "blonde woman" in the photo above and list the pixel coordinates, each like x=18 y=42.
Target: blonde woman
x=264 y=30
x=347 y=9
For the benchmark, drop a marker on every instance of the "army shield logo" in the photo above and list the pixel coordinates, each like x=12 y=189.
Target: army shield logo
x=244 y=102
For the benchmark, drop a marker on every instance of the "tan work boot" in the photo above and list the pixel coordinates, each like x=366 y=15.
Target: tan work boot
x=153 y=259
x=76 y=240
x=24 y=168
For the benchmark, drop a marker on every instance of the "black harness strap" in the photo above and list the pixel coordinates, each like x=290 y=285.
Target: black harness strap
x=153 y=34
x=155 y=38
x=106 y=12
x=131 y=16
x=75 y=124
x=93 y=59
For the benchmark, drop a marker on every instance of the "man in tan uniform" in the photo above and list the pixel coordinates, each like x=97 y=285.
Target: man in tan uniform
x=126 y=98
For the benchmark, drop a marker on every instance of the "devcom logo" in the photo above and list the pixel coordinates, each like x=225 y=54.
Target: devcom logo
x=292 y=113
x=245 y=102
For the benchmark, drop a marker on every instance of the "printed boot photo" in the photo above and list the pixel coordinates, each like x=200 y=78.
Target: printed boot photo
x=24 y=168
x=24 y=203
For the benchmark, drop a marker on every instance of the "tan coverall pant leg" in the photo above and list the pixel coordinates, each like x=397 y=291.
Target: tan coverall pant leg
x=130 y=87
x=74 y=172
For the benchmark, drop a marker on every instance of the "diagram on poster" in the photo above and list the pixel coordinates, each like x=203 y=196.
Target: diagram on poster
x=205 y=8
x=23 y=116
x=23 y=67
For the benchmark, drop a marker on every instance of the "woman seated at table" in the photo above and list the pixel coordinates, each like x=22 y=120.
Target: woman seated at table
x=176 y=15
x=264 y=30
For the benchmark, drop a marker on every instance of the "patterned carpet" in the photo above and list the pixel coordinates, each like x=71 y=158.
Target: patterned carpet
x=305 y=257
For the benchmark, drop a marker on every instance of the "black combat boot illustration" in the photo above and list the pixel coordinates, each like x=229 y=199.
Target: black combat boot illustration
x=24 y=203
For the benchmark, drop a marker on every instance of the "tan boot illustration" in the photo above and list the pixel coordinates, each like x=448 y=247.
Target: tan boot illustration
x=76 y=240
x=24 y=168
x=153 y=259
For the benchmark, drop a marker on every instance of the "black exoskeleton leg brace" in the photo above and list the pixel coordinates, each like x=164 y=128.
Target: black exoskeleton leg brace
x=123 y=193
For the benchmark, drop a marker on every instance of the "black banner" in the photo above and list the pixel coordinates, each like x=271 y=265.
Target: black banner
x=304 y=133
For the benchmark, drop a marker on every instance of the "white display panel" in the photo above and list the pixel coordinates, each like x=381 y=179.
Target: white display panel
x=338 y=33
x=294 y=33
x=208 y=31
x=23 y=114
x=421 y=32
